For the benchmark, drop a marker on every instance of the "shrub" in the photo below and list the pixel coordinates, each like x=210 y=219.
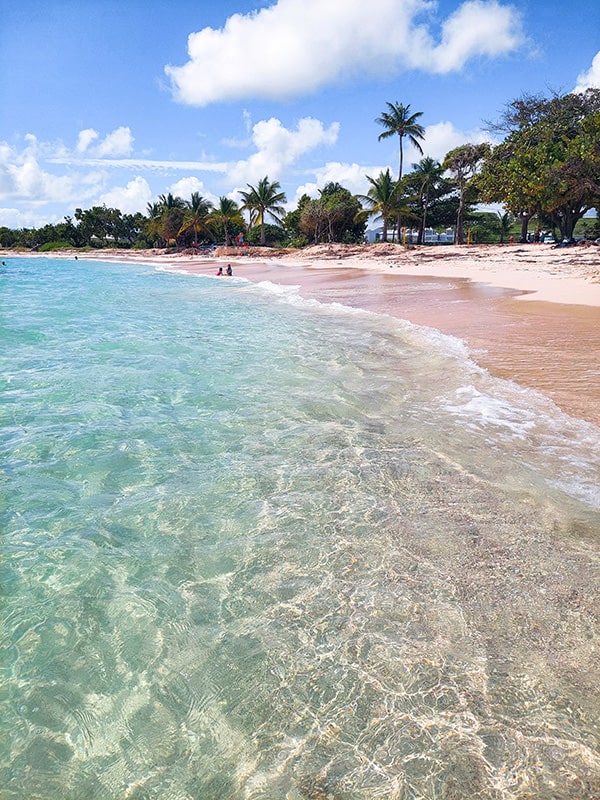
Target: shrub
x=55 y=246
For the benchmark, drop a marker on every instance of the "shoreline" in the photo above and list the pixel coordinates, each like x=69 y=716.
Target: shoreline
x=527 y=313
x=570 y=275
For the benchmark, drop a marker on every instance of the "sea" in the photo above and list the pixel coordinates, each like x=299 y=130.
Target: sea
x=258 y=546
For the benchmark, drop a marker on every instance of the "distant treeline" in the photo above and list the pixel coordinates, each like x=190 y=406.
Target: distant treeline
x=544 y=173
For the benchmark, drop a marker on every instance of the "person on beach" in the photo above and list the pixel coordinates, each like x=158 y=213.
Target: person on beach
x=229 y=270
x=220 y=271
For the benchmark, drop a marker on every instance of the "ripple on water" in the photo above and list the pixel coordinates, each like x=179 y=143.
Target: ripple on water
x=264 y=550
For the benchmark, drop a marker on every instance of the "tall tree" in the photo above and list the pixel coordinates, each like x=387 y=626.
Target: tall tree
x=332 y=217
x=169 y=201
x=166 y=216
x=398 y=121
x=549 y=162
x=463 y=162
x=262 y=199
x=225 y=214
x=426 y=177
x=384 y=198
x=195 y=216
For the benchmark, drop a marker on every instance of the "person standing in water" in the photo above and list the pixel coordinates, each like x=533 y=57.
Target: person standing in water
x=229 y=270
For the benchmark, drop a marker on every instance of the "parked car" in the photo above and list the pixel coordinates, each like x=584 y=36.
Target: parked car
x=549 y=240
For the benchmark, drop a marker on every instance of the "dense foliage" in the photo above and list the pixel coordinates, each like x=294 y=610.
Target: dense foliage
x=546 y=169
x=549 y=163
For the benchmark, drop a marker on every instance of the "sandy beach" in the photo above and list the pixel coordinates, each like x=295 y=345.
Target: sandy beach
x=528 y=313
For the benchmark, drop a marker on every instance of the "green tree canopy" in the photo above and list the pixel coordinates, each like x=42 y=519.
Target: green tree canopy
x=463 y=162
x=385 y=198
x=262 y=199
x=549 y=162
x=224 y=216
x=332 y=217
x=196 y=217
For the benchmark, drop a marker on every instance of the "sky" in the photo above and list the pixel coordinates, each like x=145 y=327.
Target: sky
x=116 y=102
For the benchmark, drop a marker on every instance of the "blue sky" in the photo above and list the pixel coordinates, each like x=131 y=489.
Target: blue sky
x=117 y=102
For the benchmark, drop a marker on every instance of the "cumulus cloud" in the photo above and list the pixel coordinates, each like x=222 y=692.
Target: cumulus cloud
x=185 y=187
x=129 y=199
x=350 y=176
x=297 y=46
x=12 y=218
x=591 y=78
x=117 y=143
x=23 y=178
x=476 y=28
x=85 y=138
x=444 y=136
x=277 y=147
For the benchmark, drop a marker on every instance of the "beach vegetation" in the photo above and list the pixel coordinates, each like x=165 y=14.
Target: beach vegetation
x=543 y=170
x=275 y=235
x=196 y=217
x=463 y=162
x=50 y=246
x=264 y=199
x=428 y=185
x=166 y=218
x=506 y=220
x=335 y=216
x=226 y=219
x=291 y=224
x=385 y=199
x=549 y=161
x=398 y=121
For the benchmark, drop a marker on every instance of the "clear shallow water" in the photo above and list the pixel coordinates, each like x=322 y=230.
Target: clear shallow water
x=254 y=547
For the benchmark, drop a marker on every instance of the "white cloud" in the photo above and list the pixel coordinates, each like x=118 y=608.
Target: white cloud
x=12 y=218
x=296 y=46
x=278 y=147
x=439 y=140
x=591 y=78
x=187 y=186
x=350 y=176
x=85 y=138
x=477 y=28
x=23 y=178
x=443 y=137
x=117 y=143
x=129 y=199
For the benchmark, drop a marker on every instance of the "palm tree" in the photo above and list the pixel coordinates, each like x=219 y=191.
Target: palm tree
x=195 y=217
x=166 y=202
x=224 y=214
x=166 y=216
x=506 y=221
x=265 y=198
x=398 y=121
x=383 y=198
x=427 y=175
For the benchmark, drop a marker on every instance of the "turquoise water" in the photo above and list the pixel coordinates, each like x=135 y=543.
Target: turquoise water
x=255 y=547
